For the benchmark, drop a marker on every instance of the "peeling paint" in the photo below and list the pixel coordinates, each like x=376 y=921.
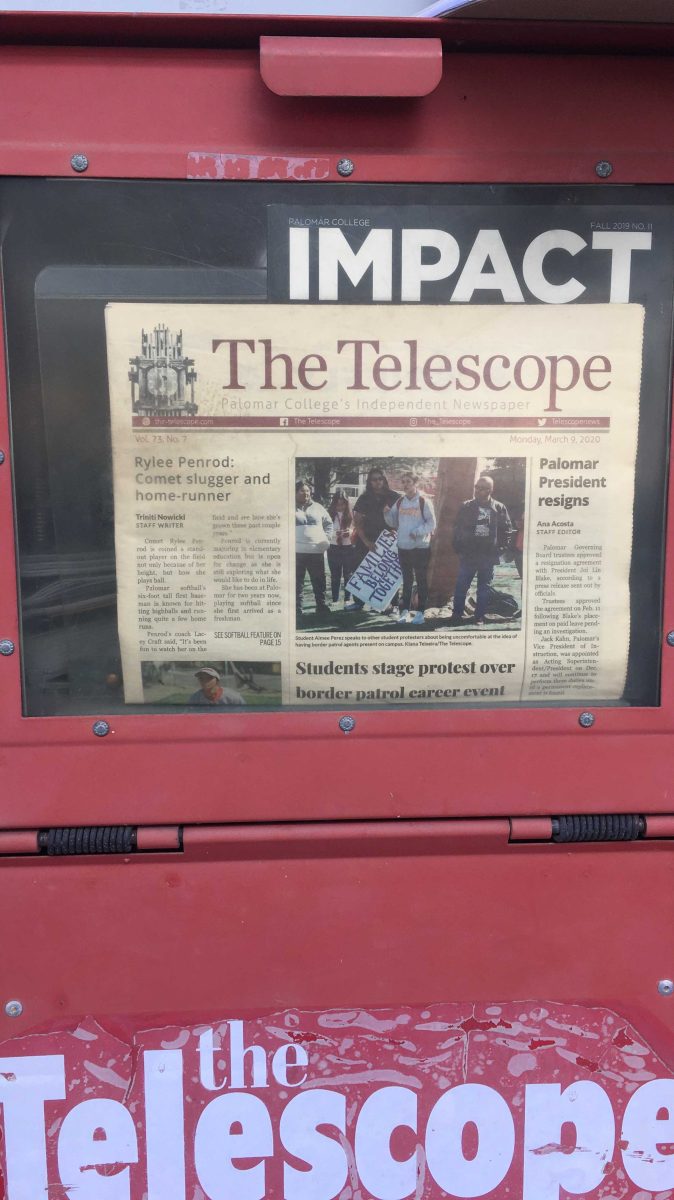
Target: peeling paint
x=204 y=164
x=358 y=1051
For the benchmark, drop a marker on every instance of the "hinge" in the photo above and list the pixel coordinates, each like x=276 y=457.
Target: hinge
x=399 y=837
x=591 y=827
x=91 y=839
x=278 y=840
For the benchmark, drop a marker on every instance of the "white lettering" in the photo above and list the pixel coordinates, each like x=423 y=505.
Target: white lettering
x=488 y=248
x=301 y=1138
x=470 y=1104
x=647 y=1126
x=413 y=271
x=206 y=1067
x=237 y=1060
x=289 y=1058
x=548 y=1165
x=164 y=1124
x=469 y=1141
x=532 y=266
x=25 y=1084
x=298 y=265
x=335 y=252
x=97 y=1133
x=621 y=246
x=383 y=1112
x=216 y=1147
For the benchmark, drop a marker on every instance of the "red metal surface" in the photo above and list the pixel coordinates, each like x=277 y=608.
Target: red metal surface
x=476 y=126
x=271 y=919
x=258 y=918
x=251 y=922
x=350 y=66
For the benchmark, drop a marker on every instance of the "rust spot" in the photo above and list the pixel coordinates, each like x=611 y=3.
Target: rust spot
x=587 y=1063
x=472 y=1025
x=621 y=1039
x=105 y=1169
x=564 y=1147
x=9 y=1076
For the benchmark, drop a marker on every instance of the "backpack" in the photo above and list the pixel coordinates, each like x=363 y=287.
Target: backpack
x=499 y=604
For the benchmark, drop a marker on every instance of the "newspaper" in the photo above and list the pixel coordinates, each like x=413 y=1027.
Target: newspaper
x=373 y=504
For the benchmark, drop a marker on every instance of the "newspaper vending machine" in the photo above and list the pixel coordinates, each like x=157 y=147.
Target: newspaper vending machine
x=336 y=609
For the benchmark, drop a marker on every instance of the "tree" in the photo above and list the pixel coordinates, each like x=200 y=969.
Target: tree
x=454 y=485
x=325 y=473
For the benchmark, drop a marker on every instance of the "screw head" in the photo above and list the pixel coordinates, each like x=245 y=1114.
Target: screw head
x=79 y=163
x=665 y=987
x=100 y=728
x=586 y=719
x=670 y=638
x=346 y=166
x=346 y=724
x=2 y=457
x=13 y=1008
x=6 y=647
x=604 y=169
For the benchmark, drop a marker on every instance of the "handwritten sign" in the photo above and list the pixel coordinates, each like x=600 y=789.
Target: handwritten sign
x=378 y=577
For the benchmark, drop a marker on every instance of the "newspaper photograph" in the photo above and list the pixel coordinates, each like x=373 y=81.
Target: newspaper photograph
x=343 y=505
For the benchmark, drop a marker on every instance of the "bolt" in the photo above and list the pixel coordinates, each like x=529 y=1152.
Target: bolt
x=2 y=457
x=586 y=719
x=100 y=728
x=6 y=647
x=346 y=166
x=79 y=163
x=604 y=169
x=665 y=987
x=670 y=638
x=13 y=1008
x=346 y=724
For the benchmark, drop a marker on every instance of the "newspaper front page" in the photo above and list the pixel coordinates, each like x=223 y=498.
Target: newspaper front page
x=330 y=505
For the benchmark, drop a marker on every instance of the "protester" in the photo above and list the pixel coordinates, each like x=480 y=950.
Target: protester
x=481 y=532
x=413 y=517
x=341 y=552
x=210 y=694
x=313 y=528
x=368 y=518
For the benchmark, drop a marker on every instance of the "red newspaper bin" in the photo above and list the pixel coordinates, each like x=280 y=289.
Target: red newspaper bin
x=380 y=905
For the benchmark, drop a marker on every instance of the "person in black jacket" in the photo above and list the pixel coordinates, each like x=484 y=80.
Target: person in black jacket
x=482 y=531
x=369 y=520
